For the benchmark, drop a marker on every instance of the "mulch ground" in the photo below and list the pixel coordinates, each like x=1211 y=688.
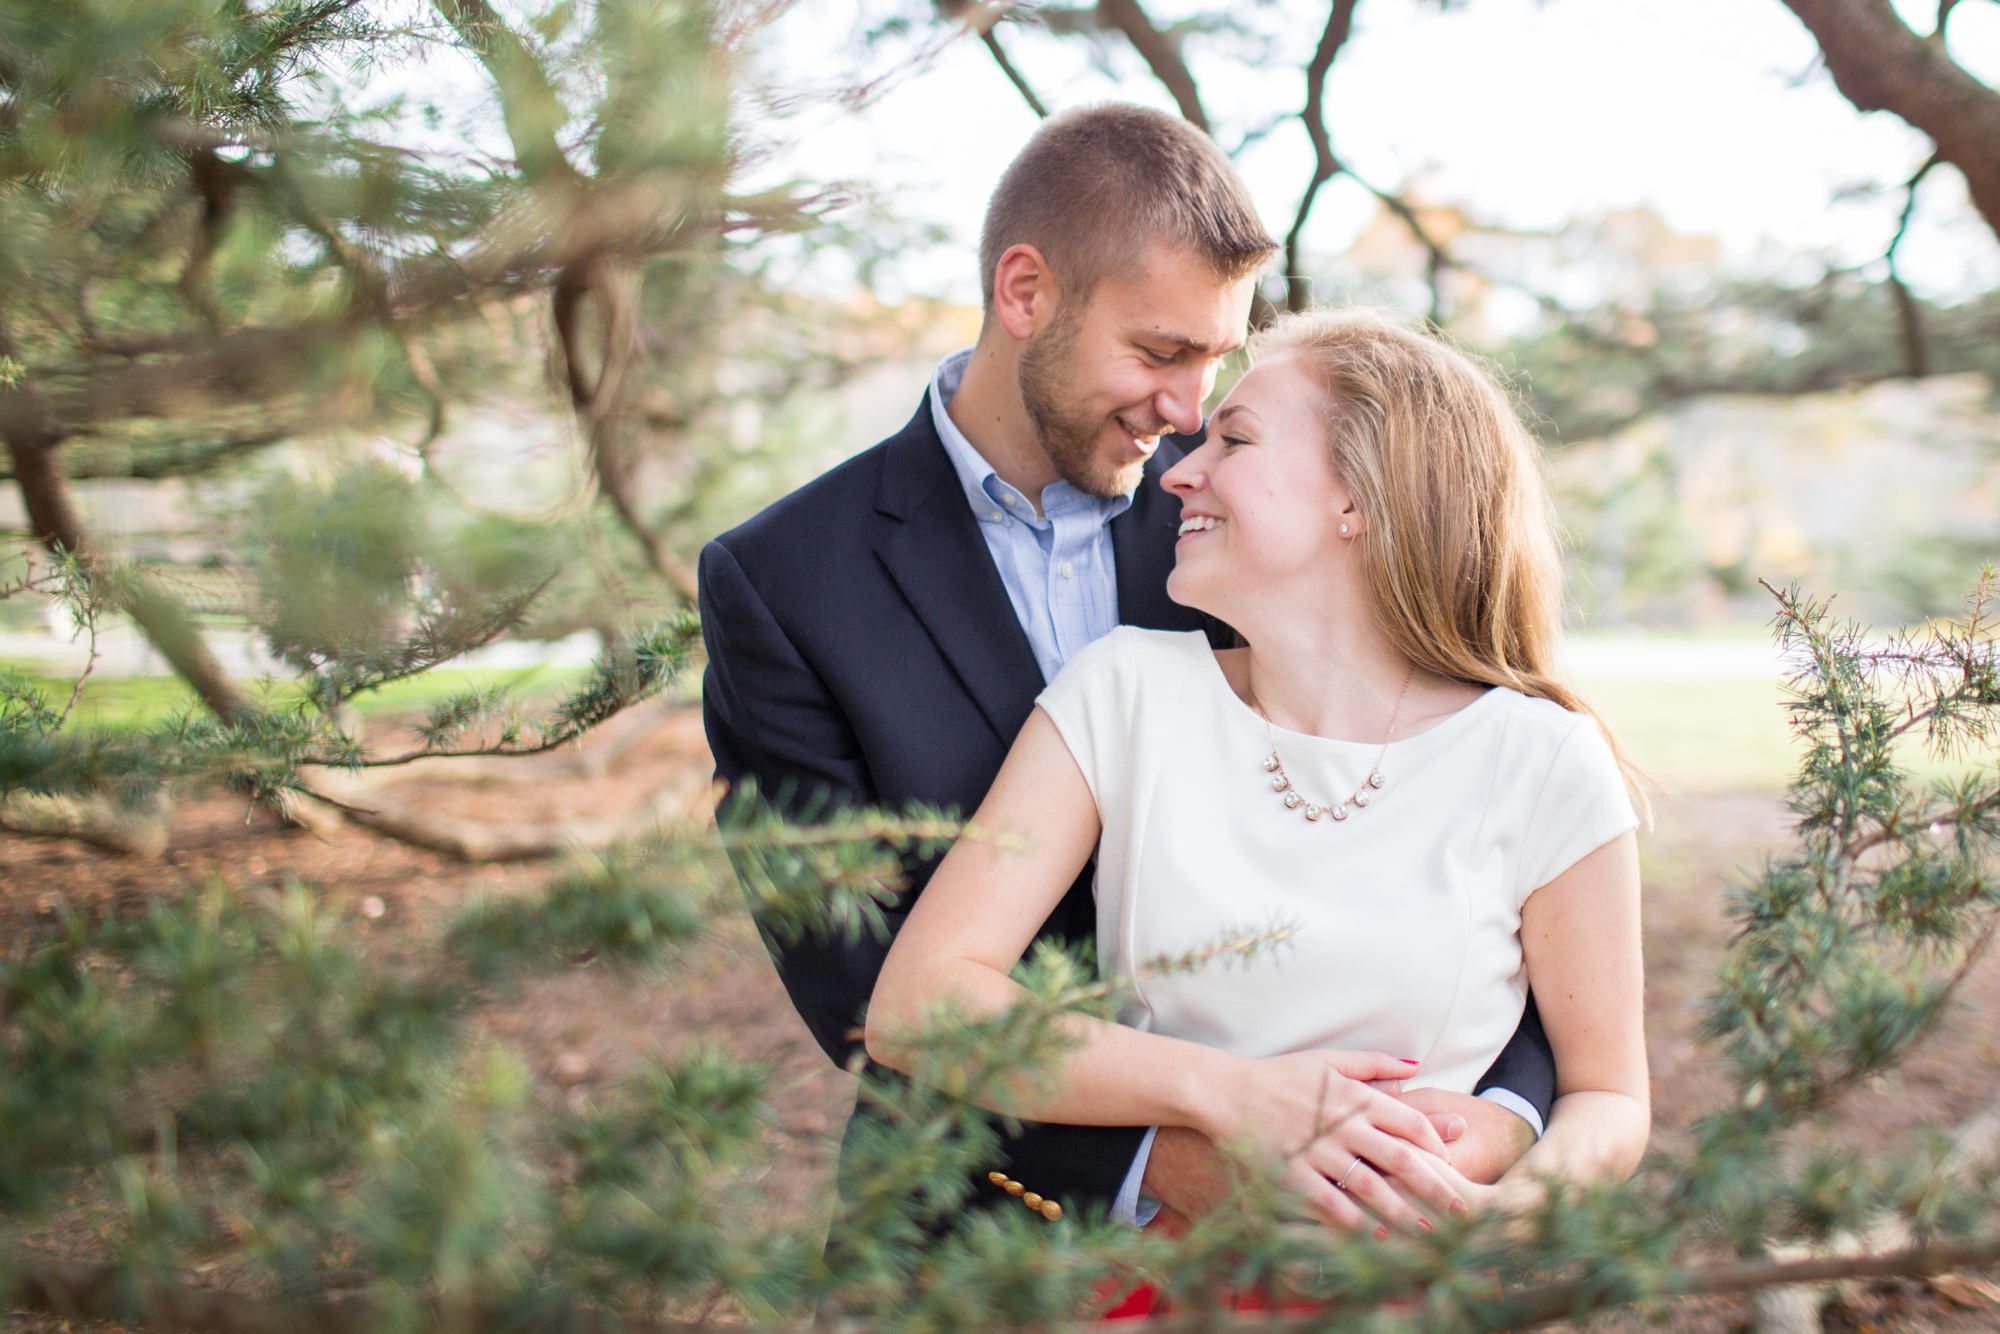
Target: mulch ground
x=582 y=1030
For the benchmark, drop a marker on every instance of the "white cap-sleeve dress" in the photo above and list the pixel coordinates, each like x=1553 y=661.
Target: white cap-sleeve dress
x=1407 y=915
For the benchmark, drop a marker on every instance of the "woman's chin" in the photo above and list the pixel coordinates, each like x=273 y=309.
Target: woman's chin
x=1190 y=591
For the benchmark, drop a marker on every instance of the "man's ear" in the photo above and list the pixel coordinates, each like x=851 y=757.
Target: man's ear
x=1024 y=291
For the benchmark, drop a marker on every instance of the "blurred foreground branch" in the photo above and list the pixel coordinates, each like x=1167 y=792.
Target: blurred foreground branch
x=206 y=247
x=381 y=1165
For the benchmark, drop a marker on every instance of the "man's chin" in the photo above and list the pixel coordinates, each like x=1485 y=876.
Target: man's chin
x=1084 y=460
x=1109 y=482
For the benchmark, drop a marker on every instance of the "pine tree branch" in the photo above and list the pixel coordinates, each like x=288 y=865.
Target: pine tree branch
x=83 y=462
x=1014 y=76
x=475 y=841
x=1573 y=1300
x=600 y=400
x=140 y=831
x=1440 y=261
x=1879 y=64
x=1162 y=56
x=1339 y=22
x=529 y=103
x=78 y=1292
x=57 y=524
x=256 y=364
x=215 y=182
x=89 y=663
x=107 y=1292
x=1916 y=361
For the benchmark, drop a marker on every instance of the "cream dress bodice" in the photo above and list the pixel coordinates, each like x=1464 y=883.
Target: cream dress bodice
x=1406 y=917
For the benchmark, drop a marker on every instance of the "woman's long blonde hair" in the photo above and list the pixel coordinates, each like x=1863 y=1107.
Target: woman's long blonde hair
x=1460 y=551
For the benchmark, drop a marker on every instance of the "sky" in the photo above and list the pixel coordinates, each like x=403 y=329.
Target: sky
x=1527 y=113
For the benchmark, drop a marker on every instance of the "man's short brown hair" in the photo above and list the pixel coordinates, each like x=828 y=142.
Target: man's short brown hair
x=1096 y=185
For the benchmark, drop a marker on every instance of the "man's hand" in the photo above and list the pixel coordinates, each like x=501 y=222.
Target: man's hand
x=1187 y=1174
x=1492 y=1139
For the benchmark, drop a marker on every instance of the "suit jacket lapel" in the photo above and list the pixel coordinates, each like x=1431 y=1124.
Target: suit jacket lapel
x=944 y=570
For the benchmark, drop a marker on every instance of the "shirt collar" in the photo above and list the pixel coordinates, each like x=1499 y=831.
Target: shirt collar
x=984 y=490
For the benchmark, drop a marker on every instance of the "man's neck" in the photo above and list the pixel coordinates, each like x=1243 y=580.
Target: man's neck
x=988 y=411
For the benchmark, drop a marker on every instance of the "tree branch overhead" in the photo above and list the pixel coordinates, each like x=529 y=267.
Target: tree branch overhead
x=1879 y=64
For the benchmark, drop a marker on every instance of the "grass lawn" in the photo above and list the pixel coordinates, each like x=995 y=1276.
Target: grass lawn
x=1699 y=736
x=1717 y=736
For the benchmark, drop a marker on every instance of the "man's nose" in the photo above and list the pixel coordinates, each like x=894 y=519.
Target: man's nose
x=1180 y=401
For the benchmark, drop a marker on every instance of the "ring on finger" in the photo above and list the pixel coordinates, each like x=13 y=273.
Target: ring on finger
x=1342 y=1183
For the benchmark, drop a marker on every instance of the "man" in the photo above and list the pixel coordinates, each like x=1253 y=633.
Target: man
x=880 y=635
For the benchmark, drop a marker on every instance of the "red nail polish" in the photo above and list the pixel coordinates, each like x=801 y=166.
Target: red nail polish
x=1424 y=1223
x=1458 y=1206
x=1381 y=1234
x=1406 y=1060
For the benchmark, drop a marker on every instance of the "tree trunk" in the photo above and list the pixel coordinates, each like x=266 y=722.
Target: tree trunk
x=1880 y=65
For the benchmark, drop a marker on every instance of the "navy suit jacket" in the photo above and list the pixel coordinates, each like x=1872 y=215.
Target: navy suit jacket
x=861 y=645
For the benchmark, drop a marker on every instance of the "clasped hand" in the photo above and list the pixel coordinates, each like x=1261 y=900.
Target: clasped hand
x=1353 y=1151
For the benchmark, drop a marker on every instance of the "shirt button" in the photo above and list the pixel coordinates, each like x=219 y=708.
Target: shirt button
x=1066 y=570
x=996 y=516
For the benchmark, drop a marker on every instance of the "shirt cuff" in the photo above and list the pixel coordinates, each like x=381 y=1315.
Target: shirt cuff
x=1507 y=1098
x=1132 y=1208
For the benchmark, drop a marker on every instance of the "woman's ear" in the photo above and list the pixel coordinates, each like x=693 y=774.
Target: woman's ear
x=1348 y=521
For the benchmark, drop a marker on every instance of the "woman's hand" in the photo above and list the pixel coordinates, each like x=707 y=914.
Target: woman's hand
x=1319 y=1112
x=1479 y=1199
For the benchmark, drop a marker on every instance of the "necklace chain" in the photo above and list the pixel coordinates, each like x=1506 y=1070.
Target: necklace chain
x=1281 y=782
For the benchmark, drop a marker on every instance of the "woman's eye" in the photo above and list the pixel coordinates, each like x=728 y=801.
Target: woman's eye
x=1234 y=440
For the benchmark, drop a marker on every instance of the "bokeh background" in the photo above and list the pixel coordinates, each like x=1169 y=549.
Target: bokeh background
x=1756 y=333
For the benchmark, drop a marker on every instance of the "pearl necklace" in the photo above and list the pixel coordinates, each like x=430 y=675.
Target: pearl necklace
x=1282 y=783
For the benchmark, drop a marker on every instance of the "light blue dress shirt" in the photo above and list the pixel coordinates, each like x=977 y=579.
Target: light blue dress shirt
x=1057 y=565
x=1059 y=573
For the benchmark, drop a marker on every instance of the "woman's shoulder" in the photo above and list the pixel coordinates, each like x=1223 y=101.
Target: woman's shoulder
x=1109 y=698
x=1561 y=780
x=1535 y=716
x=1540 y=733
x=1548 y=749
x=1126 y=663
x=1128 y=645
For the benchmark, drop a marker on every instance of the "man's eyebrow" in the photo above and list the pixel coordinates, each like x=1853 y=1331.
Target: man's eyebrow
x=1199 y=345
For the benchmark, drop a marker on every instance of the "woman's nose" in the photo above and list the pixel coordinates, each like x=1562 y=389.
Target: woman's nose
x=1184 y=477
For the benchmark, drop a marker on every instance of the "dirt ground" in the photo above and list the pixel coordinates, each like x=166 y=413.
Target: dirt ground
x=582 y=1030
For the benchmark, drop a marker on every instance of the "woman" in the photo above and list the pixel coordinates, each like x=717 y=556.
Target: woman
x=1390 y=767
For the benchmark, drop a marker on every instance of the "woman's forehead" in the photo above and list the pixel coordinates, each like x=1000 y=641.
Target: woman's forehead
x=1269 y=390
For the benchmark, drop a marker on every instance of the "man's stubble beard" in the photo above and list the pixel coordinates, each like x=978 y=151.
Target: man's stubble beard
x=1068 y=430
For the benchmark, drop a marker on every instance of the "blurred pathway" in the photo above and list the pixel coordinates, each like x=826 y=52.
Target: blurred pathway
x=123 y=651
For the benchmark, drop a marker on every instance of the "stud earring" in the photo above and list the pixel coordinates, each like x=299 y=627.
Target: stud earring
x=1343 y=530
